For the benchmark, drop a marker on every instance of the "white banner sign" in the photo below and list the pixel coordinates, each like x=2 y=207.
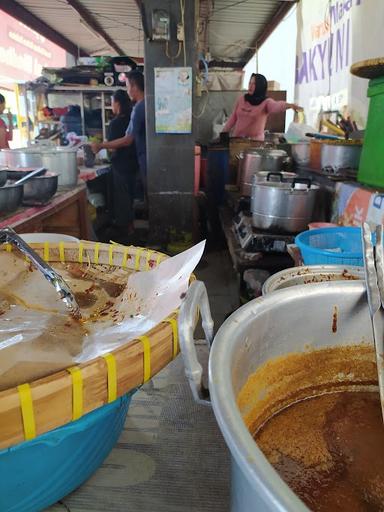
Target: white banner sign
x=331 y=36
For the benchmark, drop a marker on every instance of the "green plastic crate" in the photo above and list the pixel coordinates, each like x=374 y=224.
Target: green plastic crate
x=371 y=168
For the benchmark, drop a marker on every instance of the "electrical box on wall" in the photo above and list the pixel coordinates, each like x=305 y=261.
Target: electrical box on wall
x=160 y=25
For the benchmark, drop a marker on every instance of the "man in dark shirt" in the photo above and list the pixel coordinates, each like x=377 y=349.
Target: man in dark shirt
x=136 y=129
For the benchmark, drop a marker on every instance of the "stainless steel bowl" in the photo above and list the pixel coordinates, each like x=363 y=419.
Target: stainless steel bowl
x=10 y=198
x=40 y=189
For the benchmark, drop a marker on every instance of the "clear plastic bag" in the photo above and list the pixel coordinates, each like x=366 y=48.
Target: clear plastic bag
x=296 y=132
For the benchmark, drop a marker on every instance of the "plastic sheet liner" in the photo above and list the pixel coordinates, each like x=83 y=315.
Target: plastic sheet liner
x=39 y=337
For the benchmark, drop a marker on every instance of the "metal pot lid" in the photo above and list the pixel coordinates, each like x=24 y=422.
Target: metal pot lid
x=290 y=186
x=273 y=153
x=264 y=175
x=45 y=150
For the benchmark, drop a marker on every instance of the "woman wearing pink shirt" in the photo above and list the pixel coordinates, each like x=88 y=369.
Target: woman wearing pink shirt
x=251 y=111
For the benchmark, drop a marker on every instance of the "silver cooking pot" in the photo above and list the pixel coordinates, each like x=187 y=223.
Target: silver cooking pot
x=254 y=160
x=58 y=160
x=283 y=207
x=340 y=156
x=263 y=329
x=301 y=153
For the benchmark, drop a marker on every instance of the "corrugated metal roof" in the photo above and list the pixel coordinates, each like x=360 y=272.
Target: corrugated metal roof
x=120 y=19
x=228 y=29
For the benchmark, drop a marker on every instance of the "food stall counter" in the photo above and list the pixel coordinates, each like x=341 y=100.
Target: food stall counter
x=66 y=214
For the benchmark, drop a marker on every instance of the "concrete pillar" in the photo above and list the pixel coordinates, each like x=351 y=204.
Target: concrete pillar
x=170 y=158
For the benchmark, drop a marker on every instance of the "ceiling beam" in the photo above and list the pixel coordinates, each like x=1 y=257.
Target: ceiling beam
x=89 y=19
x=272 y=23
x=22 y=14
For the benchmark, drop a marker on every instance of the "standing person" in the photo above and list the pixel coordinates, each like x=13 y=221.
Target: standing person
x=135 y=133
x=251 y=111
x=6 y=134
x=124 y=166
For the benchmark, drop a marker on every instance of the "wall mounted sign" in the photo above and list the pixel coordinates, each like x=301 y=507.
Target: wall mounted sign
x=173 y=100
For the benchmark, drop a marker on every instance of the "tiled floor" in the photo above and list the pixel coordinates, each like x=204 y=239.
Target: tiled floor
x=170 y=456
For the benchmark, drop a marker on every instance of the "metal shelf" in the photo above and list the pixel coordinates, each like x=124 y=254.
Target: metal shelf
x=83 y=88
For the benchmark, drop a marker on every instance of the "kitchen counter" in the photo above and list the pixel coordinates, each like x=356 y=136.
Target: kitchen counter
x=66 y=213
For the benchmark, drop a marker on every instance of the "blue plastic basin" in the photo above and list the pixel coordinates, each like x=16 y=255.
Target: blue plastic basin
x=37 y=473
x=331 y=246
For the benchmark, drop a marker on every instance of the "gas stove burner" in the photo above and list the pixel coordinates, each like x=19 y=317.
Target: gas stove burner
x=252 y=240
x=339 y=172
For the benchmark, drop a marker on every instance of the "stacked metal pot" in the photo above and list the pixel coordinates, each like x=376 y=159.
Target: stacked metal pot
x=59 y=160
x=284 y=206
x=280 y=201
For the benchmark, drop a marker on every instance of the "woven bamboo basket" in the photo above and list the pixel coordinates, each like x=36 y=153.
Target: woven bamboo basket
x=33 y=408
x=370 y=68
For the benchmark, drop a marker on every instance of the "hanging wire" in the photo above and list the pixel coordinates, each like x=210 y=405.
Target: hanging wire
x=215 y=11
x=201 y=113
x=172 y=57
x=182 y=9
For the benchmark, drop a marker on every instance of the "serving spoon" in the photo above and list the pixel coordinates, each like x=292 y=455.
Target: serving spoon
x=8 y=235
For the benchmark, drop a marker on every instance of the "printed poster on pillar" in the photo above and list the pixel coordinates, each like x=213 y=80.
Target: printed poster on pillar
x=173 y=100
x=332 y=35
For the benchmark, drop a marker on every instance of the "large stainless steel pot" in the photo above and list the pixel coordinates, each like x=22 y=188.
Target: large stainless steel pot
x=58 y=160
x=339 y=156
x=259 y=159
x=312 y=274
x=263 y=329
x=283 y=207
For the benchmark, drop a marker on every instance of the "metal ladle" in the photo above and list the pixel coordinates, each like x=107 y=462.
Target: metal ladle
x=8 y=235
x=30 y=175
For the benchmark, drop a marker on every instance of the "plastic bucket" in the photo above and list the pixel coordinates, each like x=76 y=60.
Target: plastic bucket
x=38 y=473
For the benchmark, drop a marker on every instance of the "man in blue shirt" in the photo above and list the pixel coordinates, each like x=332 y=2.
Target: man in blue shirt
x=136 y=129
